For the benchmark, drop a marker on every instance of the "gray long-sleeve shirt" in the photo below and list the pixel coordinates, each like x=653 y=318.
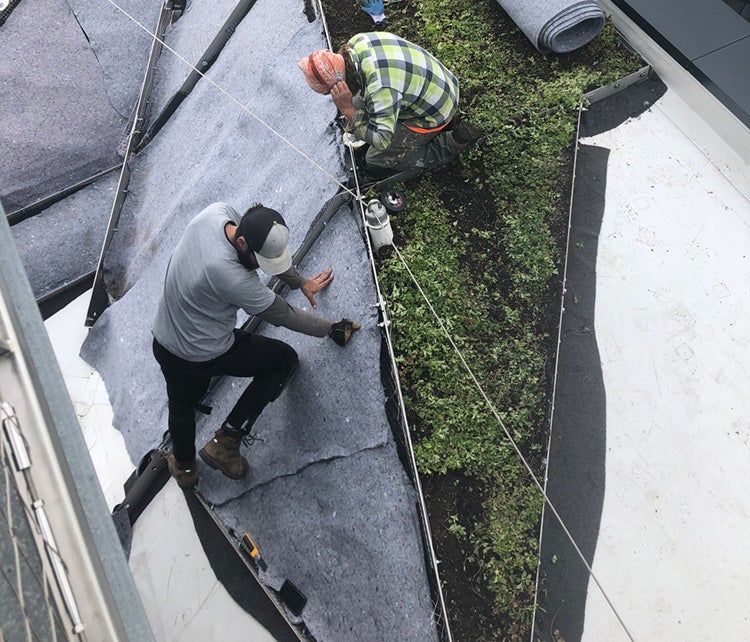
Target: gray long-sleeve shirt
x=206 y=285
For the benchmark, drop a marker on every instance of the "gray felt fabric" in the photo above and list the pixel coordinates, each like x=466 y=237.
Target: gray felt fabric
x=324 y=469
x=58 y=123
x=188 y=38
x=345 y=533
x=213 y=150
x=63 y=242
x=557 y=26
x=121 y=47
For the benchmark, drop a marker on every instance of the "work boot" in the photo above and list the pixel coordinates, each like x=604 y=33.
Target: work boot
x=465 y=134
x=186 y=475
x=223 y=453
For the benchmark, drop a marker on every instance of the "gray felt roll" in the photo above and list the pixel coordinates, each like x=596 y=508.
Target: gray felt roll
x=557 y=26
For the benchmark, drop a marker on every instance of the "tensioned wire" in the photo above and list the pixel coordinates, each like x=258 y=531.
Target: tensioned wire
x=358 y=197
x=247 y=110
x=490 y=405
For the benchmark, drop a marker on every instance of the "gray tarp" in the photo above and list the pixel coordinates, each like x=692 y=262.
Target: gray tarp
x=69 y=84
x=325 y=470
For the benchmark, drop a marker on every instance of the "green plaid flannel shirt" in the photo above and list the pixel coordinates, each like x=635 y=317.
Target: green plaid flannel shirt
x=400 y=82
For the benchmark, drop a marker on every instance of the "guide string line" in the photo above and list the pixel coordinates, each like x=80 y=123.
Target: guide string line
x=235 y=100
x=356 y=194
x=512 y=442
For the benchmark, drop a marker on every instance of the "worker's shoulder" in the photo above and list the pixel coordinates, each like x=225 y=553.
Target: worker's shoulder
x=221 y=209
x=376 y=40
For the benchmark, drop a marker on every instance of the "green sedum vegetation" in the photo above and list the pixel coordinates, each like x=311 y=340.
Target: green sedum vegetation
x=484 y=240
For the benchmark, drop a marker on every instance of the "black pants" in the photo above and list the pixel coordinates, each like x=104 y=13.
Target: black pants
x=268 y=361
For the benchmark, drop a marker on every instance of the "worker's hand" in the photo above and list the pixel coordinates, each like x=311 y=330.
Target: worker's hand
x=343 y=330
x=343 y=99
x=315 y=284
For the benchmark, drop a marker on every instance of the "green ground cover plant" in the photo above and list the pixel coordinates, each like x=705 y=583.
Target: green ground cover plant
x=485 y=239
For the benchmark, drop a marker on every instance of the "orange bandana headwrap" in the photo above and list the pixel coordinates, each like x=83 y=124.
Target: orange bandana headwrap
x=322 y=70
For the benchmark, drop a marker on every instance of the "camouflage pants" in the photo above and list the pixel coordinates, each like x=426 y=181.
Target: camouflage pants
x=409 y=149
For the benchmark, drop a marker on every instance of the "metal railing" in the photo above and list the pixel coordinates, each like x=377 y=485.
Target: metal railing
x=64 y=575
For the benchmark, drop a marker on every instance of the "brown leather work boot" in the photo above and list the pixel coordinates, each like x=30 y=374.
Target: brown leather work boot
x=185 y=474
x=465 y=135
x=223 y=453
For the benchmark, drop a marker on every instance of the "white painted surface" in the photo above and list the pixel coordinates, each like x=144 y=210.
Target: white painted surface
x=180 y=592
x=67 y=332
x=672 y=323
x=182 y=597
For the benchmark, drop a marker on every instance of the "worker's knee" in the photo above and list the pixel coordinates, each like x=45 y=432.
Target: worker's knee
x=290 y=358
x=180 y=411
x=274 y=382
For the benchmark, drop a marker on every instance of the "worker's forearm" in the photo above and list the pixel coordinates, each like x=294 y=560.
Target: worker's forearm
x=350 y=113
x=292 y=278
x=283 y=314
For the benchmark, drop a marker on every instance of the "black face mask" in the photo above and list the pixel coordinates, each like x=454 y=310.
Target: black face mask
x=247 y=258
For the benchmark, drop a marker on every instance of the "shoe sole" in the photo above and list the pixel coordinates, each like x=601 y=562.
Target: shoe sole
x=189 y=485
x=213 y=464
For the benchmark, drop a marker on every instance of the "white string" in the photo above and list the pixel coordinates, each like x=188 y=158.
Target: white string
x=510 y=439
x=322 y=15
x=357 y=196
x=235 y=100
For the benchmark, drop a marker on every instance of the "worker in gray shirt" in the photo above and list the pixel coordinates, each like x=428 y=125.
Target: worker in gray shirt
x=211 y=275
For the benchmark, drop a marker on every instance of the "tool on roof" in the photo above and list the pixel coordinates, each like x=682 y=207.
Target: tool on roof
x=250 y=548
x=393 y=200
x=292 y=597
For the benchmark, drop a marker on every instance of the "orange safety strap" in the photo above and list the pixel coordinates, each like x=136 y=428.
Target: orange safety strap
x=422 y=130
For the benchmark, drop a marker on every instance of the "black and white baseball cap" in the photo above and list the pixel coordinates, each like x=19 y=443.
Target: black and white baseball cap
x=267 y=236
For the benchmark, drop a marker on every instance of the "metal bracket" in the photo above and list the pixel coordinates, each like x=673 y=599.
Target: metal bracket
x=609 y=90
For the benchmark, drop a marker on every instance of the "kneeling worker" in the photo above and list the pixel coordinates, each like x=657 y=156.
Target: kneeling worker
x=211 y=275
x=395 y=96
